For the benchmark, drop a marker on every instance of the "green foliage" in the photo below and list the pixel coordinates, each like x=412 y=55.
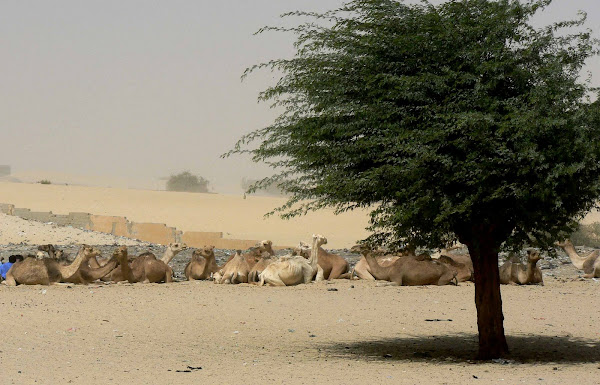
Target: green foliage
x=187 y=182
x=446 y=121
x=45 y=181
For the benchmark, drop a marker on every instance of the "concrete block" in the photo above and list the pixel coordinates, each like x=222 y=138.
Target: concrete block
x=152 y=232
x=110 y=225
x=200 y=238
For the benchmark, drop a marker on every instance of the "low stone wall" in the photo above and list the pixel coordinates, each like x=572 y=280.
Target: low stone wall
x=121 y=226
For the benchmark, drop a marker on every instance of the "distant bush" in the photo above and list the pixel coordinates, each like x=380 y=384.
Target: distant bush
x=587 y=235
x=270 y=190
x=187 y=182
x=45 y=181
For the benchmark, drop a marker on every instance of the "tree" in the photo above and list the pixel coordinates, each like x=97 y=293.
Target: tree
x=453 y=122
x=187 y=182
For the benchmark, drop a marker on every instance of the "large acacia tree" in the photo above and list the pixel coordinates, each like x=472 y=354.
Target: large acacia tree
x=452 y=122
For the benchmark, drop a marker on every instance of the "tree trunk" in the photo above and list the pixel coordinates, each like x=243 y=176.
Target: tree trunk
x=484 y=253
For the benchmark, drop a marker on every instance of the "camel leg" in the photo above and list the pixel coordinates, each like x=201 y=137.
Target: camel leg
x=320 y=275
x=384 y=284
x=336 y=272
x=169 y=275
x=10 y=280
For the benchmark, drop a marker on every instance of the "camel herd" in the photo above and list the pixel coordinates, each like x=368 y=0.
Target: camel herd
x=259 y=265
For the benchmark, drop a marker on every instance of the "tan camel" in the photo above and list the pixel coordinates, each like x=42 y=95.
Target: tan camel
x=234 y=271
x=333 y=265
x=47 y=271
x=87 y=274
x=144 y=269
x=146 y=261
x=590 y=264
x=293 y=270
x=411 y=271
x=202 y=265
x=261 y=265
x=515 y=273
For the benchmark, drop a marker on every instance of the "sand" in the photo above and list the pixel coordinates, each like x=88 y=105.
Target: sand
x=237 y=217
x=145 y=334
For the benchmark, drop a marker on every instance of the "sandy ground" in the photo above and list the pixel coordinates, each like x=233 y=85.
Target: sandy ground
x=235 y=216
x=144 y=334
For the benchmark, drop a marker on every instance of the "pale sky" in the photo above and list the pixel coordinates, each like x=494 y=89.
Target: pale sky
x=147 y=88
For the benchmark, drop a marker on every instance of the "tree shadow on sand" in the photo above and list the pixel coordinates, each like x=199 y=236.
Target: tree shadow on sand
x=463 y=347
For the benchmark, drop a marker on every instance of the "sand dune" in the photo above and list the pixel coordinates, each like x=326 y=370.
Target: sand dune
x=235 y=216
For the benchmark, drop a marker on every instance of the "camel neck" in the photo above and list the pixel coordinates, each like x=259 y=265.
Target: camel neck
x=576 y=260
x=168 y=256
x=376 y=270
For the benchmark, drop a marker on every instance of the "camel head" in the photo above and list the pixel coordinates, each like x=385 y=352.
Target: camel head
x=40 y=255
x=266 y=246
x=302 y=249
x=533 y=256
x=321 y=240
x=565 y=243
x=121 y=254
x=206 y=251
x=177 y=247
x=47 y=248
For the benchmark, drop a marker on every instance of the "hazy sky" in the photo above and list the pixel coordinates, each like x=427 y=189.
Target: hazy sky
x=146 y=88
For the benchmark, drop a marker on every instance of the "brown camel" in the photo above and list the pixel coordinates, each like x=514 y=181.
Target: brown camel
x=234 y=271
x=410 y=271
x=333 y=265
x=515 y=273
x=145 y=269
x=202 y=265
x=47 y=271
x=590 y=264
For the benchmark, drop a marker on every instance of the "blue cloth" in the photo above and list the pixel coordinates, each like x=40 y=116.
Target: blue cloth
x=4 y=268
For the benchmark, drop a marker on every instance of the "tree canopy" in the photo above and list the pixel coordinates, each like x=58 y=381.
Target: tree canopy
x=459 y=121
x=187 y=182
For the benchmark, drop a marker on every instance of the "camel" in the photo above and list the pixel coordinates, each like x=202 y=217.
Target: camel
x=87 y=274
x=144 y=269
x=293 y=270
x=334 y=266
x=410 y=271
x=590 y=264
x=145 y=264
x=261 y=265
x=234 y=271
x=47 y=271
x=515 y=273
x=462 y=263
x=202 y=265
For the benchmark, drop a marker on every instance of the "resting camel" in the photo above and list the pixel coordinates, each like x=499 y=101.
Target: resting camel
x=293 y=270
x=261 y=265
x=334 y=266
x=145 y=262
x=47 y=271
x=144 y=269
x=462 y=263
x=515 y=273
x=590 y=264
x=412 y=271
x=202 y=265
x=234 y=271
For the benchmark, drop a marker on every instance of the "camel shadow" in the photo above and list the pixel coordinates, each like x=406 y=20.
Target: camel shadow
x=463 y=348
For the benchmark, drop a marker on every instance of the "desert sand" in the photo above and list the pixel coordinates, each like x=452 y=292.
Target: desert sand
x=148 y=334
x=235 y=216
